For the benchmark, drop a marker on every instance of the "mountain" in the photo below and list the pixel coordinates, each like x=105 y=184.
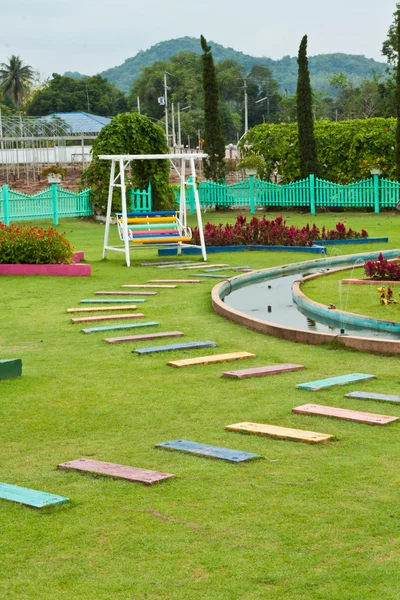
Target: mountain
x=322 y=66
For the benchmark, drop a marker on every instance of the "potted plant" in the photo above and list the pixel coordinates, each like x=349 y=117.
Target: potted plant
x=54 y=173
x=252 y=165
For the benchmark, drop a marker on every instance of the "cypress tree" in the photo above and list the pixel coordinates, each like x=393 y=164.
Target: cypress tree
x=214 y=142
x=398 y=95
x=305 y=122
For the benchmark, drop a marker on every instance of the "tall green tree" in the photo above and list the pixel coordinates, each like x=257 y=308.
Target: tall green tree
x=214 y=142
x=305 y=121
x=15 y=78
x=397 y=151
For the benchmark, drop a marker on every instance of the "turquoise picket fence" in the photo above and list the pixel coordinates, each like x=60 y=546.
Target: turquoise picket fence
x=141 y=200
x=311 y=193
x=51 y=203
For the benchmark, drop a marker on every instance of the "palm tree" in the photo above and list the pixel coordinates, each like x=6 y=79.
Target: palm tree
x=14 y=78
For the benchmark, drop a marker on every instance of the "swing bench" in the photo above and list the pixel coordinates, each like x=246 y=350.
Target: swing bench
x=156 y=227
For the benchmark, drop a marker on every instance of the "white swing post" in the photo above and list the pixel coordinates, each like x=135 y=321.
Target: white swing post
x=198 y=208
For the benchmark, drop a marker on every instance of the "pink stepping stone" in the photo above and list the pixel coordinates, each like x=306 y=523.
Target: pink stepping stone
x=107 y=317
x=114 y=470
x=262 y=371
x=342 y=413
x=144 y=336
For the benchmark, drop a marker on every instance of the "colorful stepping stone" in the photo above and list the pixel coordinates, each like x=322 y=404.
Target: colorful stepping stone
x=281 y=433
x=116 y=471
x=342 y=413
x=144 y=336
x=114 y=327
x=262 y=371
x=210 y=276
x=203 y=266
x=176 y=265
x=10 y=368
x=114 y=301
x=167 y=262
x=186 y=346
x=320 y=384
x=219 y=269
x=125 y=293
x=164 y=287
x=211 y=359
x=108 y=317
x=29 y=497
x=234 y=456
x=101 y=308
x=174 y=281
x=372 y=396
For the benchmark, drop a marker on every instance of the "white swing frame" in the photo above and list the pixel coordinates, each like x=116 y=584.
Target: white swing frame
x=118 y=181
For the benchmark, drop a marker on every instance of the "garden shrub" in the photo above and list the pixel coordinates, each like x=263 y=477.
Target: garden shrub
x=265 y=232
x=32 y=245
x=382 y=269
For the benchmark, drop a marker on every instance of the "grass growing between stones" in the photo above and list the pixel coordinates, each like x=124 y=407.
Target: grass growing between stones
x=305 y=522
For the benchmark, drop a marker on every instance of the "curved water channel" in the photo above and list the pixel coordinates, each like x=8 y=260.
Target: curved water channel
x=271 y=300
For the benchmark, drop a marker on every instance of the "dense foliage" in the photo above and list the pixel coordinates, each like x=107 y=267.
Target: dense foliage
x=214 y=143
x=273 y=232
x=66 y=94
x=347 y=150
x=129 y=134
x=381 y=269
x=305 y=121
x=284 y=70
x=23 y=244
x=397 y=20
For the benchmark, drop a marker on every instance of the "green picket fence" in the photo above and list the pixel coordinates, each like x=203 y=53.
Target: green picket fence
x=141 y=200
x=311 y=193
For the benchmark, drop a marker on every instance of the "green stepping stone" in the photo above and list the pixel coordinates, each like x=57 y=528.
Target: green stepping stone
x=34 y=498
x=11 y=367
x=320 y=384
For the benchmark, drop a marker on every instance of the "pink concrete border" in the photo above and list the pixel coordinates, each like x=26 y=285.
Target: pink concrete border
x=370 y=282
x=78 y=257
x=73 y=270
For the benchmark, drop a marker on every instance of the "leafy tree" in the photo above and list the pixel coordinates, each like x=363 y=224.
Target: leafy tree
x=214 y=143
x=130 y=133
x=307 y=145
x=390 y=45
x=397 y=21
x=263 y=96
x=15 y=78
x=66 y=94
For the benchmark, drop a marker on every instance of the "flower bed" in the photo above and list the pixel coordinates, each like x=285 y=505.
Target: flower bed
x=382 y=269
x=273 y=232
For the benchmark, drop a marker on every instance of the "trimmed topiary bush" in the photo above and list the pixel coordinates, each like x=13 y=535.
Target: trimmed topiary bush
x=32 y=245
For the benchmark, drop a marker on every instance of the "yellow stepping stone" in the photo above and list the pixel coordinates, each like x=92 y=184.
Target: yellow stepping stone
x=281 y=433
x=213 y=358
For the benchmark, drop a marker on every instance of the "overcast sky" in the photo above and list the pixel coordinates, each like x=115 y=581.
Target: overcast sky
x=92 y=35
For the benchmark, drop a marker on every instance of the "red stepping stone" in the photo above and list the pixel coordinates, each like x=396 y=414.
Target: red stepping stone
x=107 y=317
x=342 y=413
x=125 y=293
x=118 y=471
x=262 y=371
x=144 y=336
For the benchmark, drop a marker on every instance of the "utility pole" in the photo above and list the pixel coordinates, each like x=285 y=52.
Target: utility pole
x=173 y=126
x=138 y=105
x=179 y=126
x=166 y=105
x=246 y=108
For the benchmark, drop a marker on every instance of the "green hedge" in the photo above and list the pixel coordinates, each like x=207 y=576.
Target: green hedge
x=347 y=150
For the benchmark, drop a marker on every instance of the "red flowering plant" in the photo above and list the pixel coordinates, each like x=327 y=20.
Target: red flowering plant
x=32 y=245
x=274 y=232
x=382 y=269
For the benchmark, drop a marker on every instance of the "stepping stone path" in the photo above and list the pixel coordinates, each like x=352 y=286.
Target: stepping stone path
x=117 y=471
x=174 y=281
x=114 y=327
x=226 y=276
x=281 y=433
x=372 y=396
x=234 y=456
x=213 y=358
x=29 y=497
x=262 y=371
x=144 y=336
x=125 y=293
x=10 y=368
x=107 y=318
x=342 y=413
x=320 y=384
x=203 y=266
x=101 y=308
x=186 y=346
x=170 y=287
x=116 y=301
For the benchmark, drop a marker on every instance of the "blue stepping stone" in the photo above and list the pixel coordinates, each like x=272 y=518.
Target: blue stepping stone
x=226 y=276
x=113 y=327
x=320 y=384
x=106 y=301
x=234 y=456
x=169 y=347
x=34 y=498
x=371 y=396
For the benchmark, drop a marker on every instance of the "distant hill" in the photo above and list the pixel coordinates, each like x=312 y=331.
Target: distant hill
x=357 y=67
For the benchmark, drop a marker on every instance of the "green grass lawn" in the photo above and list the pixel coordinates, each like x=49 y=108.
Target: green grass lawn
x=305 y=522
